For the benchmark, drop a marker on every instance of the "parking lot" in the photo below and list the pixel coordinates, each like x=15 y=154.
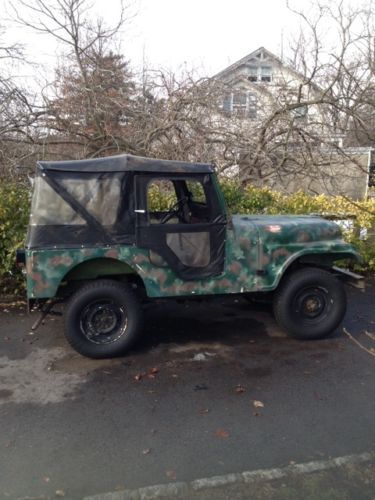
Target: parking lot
x=213 y=388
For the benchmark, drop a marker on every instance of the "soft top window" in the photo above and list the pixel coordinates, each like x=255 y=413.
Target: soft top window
x=81 y=208
x=100 y=195
x=48 y=208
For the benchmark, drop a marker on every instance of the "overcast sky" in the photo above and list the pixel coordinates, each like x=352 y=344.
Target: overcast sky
x=208 y=33
x=204 y=34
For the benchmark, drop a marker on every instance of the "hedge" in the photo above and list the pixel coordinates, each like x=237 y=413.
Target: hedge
x=14 y=215
x=15 y=202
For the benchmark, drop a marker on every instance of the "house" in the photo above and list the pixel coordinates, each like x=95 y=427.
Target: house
x=308 y=150
x=261 y=80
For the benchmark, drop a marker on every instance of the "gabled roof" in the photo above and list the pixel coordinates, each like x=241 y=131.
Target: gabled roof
x=122 y=163
x=254 y=55
x=245 y=60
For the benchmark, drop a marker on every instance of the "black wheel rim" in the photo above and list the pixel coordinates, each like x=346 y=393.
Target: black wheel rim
x=312 y=305
x=103 y=321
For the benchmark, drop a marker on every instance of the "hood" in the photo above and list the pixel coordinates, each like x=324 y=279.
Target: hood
x=287 y=229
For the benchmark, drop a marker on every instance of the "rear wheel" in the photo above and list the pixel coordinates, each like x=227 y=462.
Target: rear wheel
x=310 y=303
x=103 y=319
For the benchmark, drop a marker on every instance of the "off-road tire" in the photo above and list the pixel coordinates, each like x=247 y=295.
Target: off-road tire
x=310 y=303
x=93 y=300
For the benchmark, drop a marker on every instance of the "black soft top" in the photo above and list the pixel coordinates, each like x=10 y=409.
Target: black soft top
x=122 y=163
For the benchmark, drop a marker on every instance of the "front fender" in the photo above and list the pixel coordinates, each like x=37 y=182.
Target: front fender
x=318 y=256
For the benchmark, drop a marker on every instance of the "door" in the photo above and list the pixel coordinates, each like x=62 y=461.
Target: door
x=180 y=220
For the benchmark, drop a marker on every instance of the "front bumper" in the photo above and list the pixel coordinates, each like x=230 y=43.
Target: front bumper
x=351 y=278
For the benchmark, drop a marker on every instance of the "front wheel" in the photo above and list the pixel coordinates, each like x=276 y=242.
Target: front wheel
x=310 y=303
x=102 y=319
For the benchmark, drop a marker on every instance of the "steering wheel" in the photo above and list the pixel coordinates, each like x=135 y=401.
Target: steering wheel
x=174 y=210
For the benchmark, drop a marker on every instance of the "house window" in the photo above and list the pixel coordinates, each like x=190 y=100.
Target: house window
x=252 y=106
x=239 y=103
x=253 y=74
x=227 y=103
x=266 y=73
x=243 y=104
x=259 y=73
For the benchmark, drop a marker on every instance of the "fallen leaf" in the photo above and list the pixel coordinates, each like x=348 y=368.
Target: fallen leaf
x=138 y=377
x=171 y=474
x=60 y=493
x=46 y=479
x=222 y=433
x=256 y=414
x=146 y=451
x=240 y=389
x=174 y=375
x=258 y=404
x=154 y=370
x=204 y=411
x=6 y=338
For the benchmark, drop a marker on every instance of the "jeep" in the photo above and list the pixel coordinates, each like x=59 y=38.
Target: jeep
x=99 y=241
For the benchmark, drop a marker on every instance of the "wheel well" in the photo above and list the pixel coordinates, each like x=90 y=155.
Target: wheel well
x=103 y=267
x=321 y=261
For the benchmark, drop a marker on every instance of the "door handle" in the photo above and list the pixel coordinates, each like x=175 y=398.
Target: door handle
x=140 y=211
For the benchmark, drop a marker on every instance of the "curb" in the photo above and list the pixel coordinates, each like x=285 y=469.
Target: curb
x=178 y=489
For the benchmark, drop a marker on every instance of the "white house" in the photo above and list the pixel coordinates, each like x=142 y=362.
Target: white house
x=261 y=83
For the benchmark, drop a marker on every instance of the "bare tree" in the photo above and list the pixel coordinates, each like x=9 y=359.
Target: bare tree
x=95 y=106
x=16 y=112
x=301 y=130
x=306 y=126
x=86 y=105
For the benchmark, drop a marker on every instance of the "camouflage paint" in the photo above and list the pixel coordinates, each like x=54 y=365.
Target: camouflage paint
x=258 y=250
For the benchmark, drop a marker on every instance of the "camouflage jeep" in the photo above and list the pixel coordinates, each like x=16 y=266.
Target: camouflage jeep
x=99 y=240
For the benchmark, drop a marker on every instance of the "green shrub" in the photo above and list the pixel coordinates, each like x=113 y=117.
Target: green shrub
x=14 y=214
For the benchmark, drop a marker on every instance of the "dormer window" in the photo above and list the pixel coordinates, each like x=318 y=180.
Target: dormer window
x=253 y=74
x=265 y=73
x=259 y=73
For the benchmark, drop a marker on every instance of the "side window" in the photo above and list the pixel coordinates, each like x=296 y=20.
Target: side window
x=199 y=211
x=196 y=191
x=161 y=196
x=178 y=201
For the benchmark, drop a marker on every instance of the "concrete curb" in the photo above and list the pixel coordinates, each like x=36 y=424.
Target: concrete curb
x=179 y=489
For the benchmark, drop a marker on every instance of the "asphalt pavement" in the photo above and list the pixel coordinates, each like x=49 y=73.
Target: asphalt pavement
x=213 y=388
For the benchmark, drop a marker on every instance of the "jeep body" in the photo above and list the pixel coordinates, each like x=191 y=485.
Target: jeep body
x=94 y=221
